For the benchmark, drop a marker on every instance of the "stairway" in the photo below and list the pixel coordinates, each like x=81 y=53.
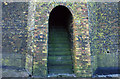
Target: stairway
x=59 y=53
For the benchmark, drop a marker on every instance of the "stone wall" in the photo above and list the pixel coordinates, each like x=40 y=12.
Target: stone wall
x=103 y=24
x=14 y=33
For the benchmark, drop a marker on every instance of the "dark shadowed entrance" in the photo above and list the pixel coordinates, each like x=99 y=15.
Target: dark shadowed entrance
x=59 y=45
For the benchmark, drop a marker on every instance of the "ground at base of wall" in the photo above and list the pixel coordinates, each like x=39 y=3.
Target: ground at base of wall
x=62 y=75
x=14 y=73
x=21 y=73
x=108 y=76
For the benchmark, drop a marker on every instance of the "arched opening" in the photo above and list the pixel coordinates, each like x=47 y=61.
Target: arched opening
x=60 y=60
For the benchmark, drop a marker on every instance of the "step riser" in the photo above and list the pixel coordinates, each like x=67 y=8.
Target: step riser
x=59 y=54
x=52 y=62
x=58 y=42
x=60 y=67
x=60 y=57
x=58 y=49
x=53 y=39
x=59 y=46
x=61 y=72
x=58 y=35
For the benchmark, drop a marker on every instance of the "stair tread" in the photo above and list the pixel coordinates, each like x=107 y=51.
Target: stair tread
x=51 y=41
x=62 y=52
x=62 y=56
x=60 y=62
x=59 y=51
x=60 y=45
x=60 y=35
x=58 y=48
x=59 y=54
x=59 y=57
x=59 y=70
x=58 y=32
x=60 y=65
x=59 y=39
x=58 y=29
x=67 y=47
x=58 y=42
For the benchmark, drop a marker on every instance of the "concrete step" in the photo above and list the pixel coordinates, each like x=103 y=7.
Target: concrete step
x=58 y=61
x=58 y=41
x=59 y=46
x=61 y=67
x=58 y=33
x=60 y=71
x=58 y=49
x=59 y=58
x=59 y=53
x=58 y=38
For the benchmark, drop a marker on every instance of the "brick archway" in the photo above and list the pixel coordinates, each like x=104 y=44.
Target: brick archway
x=80 y=34
x=60 y=20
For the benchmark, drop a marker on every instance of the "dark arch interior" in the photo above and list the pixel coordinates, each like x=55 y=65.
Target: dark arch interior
x=59 y=42
x=60 y=17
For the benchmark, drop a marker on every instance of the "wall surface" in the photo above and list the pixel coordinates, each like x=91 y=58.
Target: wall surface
x=103 y=24
x=14 y=39
x=95 y=35
x=14 y=33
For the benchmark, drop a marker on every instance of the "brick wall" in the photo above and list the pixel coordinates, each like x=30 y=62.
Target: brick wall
x=103 y=23
x=94 y=27
x=80 y=36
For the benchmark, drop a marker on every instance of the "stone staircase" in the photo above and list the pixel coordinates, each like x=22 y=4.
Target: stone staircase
x=59 y=53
